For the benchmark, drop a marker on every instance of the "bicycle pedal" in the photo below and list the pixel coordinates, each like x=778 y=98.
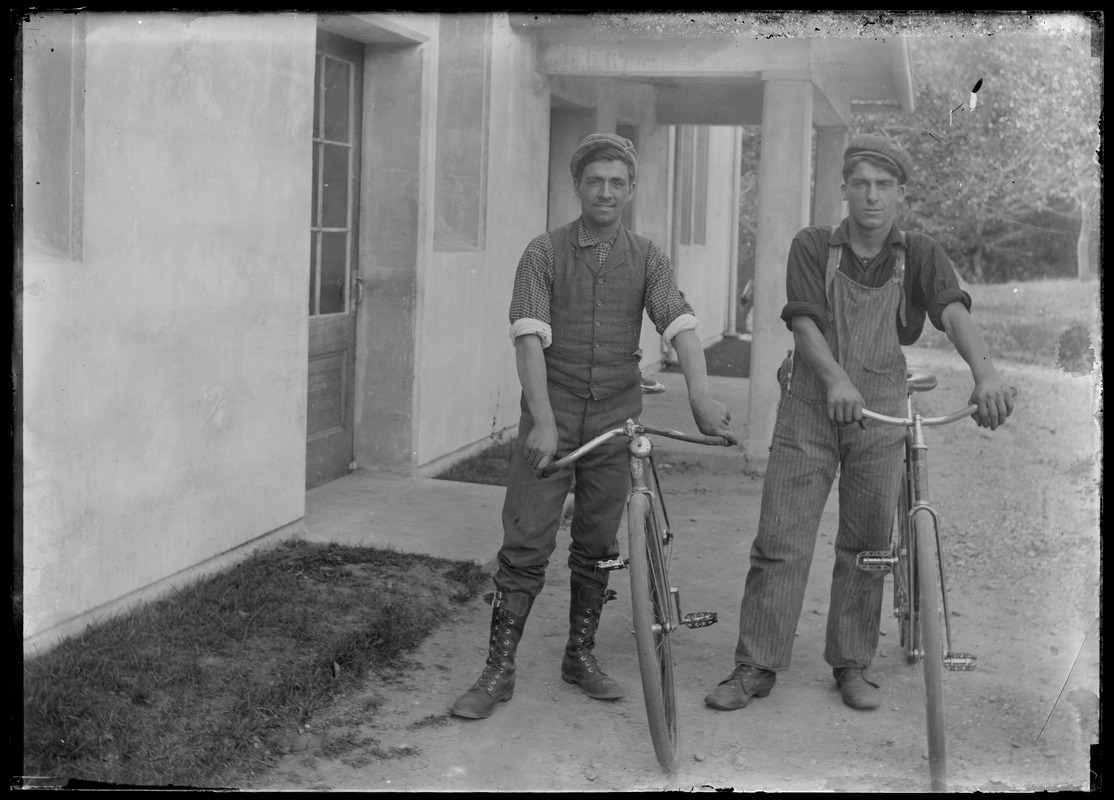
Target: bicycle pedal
x=607 y=566
x=875 y=560
x=700 y=619
x=959 y=662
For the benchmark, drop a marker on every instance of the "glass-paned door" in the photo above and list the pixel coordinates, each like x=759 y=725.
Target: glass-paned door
x=334 y=289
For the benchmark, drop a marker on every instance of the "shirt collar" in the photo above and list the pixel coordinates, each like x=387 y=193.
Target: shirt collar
x=586 y=238
x=842 y=234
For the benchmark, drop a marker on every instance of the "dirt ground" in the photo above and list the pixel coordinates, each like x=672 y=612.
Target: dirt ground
x=1020 y=517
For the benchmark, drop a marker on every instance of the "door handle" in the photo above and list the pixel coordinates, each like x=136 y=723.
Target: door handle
x=359 y=282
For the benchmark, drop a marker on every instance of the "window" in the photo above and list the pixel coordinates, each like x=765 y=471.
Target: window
x=53 y=142
x=462 y=106
x=333 y=215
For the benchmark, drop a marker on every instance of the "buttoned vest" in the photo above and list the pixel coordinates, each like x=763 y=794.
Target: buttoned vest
x=596 y=314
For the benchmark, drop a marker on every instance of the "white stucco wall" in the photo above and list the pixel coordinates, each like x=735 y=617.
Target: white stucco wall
x=165 y=369
x=468 y=384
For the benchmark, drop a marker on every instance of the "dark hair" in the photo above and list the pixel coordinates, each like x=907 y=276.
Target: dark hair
x=882 y=163
x=605 y=154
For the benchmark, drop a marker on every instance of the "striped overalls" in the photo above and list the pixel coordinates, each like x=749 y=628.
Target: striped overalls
x=804 y=456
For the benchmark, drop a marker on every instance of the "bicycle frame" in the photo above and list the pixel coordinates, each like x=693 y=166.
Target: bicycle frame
x=656 y=604
x=916 y=478
x=920 y=592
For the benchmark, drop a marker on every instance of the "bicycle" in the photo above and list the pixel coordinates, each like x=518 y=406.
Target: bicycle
x=915 y=559
x=655 y=603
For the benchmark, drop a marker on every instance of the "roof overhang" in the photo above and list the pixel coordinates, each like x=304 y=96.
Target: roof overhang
x=704 y=70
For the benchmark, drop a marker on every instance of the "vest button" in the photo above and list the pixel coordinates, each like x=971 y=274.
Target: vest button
x=597 y=324
x=599 y=280
x=599 y=302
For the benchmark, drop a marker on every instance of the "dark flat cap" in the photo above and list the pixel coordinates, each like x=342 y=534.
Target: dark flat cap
x=599 y=141
x=866 y=144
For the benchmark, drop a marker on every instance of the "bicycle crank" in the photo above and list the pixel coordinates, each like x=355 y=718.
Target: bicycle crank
x=697 y=619
x=959 y=662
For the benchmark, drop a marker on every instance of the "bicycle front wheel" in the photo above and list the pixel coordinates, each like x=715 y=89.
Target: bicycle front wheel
x=905 y=601
x=930 y=617
x=650 y=605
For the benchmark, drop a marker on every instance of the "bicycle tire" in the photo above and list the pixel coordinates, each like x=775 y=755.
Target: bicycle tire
x=930 y=620
x=650 y=608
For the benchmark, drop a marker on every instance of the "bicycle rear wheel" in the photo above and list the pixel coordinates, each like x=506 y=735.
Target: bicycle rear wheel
x=930 y=617
x=652 y=612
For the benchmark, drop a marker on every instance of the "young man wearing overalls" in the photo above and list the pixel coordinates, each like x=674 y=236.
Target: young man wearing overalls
x=576 y=321
x=856 y=294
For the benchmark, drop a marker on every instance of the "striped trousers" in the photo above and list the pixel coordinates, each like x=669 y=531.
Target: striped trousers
x=805 y=454
x=532 y=507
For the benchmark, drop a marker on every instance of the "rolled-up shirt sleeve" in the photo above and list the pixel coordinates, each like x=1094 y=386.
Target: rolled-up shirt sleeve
x=533 y=287
x=804 y=280
x=665 y=303
x=935 y=284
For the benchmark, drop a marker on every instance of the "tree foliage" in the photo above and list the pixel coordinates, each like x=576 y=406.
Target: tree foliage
x=1003 y=186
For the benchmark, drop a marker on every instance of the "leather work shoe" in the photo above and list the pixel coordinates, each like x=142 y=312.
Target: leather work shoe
x=858 y=688
x=740 y=686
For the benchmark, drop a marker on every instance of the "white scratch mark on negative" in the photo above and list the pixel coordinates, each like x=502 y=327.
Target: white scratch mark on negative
x=212 y=404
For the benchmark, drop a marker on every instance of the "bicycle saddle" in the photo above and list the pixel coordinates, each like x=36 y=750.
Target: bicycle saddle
x=919 y=380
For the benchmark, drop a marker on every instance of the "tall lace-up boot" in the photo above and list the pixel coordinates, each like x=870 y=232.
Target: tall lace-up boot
x=496 y=682
x=579 y=665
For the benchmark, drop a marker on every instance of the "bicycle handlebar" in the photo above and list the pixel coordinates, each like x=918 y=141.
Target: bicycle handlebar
x=711 y=441
x=927 y=421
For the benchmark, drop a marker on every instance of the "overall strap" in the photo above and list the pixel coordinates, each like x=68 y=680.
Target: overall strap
x=835 y=254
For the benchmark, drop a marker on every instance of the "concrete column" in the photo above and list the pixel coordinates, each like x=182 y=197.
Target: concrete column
x=567 y=128
x=605 y=117
x=783 y=205
x=827 y=202
x=652 y=207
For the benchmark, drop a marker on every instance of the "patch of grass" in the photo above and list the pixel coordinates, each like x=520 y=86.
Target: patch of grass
x=208 y=686
x=488 y=467
x=1048 y=322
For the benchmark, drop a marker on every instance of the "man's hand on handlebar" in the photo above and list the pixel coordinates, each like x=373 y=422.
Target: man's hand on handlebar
x=712 y=418
x=995 y=401
x=539 y=447
x=845 y=404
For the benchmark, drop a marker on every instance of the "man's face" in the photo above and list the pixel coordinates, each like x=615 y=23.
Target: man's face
x=604 y=190
x=873 y=196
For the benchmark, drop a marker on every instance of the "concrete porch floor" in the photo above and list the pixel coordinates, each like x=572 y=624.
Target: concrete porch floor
x=461 y=521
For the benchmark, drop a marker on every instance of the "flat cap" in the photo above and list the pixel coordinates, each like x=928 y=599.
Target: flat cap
x=599 y=141
x=866 y=144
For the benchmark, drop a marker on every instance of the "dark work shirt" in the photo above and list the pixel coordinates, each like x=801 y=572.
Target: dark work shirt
x=930 y=281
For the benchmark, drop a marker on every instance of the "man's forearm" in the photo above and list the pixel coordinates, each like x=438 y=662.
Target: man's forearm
x=814 y=349
x=530 y=362
x=690 y=353
x=964 y=334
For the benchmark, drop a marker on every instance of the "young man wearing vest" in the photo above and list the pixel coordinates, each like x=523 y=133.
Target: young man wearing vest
x=856 y=294
x=576 y=321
